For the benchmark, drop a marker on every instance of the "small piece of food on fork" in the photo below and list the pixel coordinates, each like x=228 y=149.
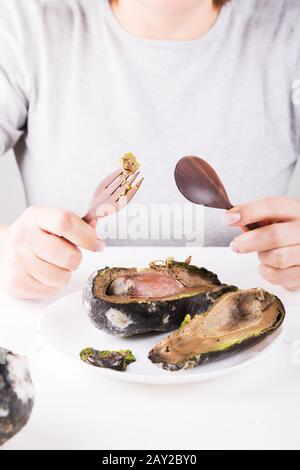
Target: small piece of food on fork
x=129 y=163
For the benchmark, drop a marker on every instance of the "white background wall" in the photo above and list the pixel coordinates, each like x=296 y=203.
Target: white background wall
x=12 y=201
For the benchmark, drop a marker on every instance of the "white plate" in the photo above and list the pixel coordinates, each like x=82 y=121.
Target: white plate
x=67 y=328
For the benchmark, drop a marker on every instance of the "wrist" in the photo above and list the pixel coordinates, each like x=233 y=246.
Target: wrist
x=3 y=232
x=3 y=229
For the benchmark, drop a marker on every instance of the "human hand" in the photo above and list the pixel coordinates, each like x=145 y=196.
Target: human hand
x=277 y=242
x=41 y=249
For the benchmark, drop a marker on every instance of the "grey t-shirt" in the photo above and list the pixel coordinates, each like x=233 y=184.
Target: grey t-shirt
x=77 y=91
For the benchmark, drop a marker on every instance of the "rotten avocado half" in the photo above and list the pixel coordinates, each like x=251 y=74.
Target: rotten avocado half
x=237 y=320
x=16 y=394
x=129 y=301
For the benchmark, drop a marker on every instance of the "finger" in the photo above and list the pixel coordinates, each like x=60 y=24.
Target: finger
x=267 y=209
x=35 y=290
x=93 y=223
x=281 y=258
x=25 y=287
x=68 y=225
x=288 y=278
x=48 y=274
x=57 y=251
x=294 y=289
x=267 y=238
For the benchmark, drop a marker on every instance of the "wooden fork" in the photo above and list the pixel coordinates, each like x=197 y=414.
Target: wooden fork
x=112 y=194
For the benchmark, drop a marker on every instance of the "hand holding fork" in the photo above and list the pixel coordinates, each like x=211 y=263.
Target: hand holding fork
x=41 y=249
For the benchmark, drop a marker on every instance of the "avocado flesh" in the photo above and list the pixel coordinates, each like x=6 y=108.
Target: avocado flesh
x=233 y=320
x=192 y=279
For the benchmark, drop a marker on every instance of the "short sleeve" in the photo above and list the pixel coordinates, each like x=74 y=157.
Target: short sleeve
x=13 y=80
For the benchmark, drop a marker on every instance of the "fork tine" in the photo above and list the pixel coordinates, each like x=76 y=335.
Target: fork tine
x=116 y=205
x=113 y=177
x=123 y=186
x=131 y=193
x=105 y=183
x=132 y=179
x=118 y=182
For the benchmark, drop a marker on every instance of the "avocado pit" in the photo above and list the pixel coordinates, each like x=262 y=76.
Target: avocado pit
x=147 y=285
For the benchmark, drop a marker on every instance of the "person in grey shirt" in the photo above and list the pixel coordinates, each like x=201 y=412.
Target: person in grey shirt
x=84 y=81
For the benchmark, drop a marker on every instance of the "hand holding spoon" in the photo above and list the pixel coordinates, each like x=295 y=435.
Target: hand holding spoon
x=199 y=183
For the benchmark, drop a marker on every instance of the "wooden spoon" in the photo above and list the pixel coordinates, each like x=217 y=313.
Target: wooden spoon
x=199 y=183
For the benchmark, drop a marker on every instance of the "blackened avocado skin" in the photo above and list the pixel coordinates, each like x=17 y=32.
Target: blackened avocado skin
x=16 y=394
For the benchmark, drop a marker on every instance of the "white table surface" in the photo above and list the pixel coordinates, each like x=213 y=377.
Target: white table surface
x=258 y=407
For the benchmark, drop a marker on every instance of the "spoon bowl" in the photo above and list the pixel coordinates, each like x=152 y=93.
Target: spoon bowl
x=199 y=183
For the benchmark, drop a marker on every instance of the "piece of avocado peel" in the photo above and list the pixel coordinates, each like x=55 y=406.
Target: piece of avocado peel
x=116 y=360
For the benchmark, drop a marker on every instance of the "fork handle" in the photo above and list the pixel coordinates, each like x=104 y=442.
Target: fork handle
x=89 y=217
x=86 y=219
x=253 y=226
